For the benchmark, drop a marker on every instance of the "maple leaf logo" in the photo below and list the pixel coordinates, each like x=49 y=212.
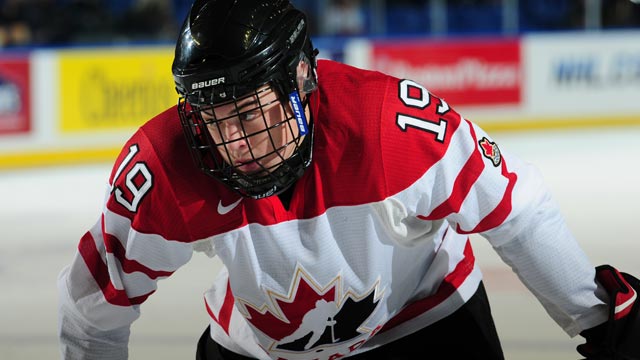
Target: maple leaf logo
x=491 y=151
x=313 y=317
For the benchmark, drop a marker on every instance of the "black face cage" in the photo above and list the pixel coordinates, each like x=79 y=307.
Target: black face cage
x=214 y=157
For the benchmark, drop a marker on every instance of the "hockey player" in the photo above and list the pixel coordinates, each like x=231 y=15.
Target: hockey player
x=339 y=201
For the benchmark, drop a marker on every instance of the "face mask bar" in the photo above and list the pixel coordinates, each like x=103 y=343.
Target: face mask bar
x=242 y=117
x=277 y=169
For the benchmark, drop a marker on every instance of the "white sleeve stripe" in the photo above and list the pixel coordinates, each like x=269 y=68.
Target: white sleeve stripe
x=126 y=265
x=149 y=250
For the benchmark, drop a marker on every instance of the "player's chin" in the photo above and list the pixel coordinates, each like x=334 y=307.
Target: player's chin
x=261 y=167
x=249 y=168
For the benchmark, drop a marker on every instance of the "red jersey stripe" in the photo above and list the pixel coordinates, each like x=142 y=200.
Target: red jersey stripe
x=224 y=317
x=464 y=182
x=502 y=211
x=449 y=285
x=100 y=272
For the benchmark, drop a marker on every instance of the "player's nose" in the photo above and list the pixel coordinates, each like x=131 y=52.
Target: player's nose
x=234 y=134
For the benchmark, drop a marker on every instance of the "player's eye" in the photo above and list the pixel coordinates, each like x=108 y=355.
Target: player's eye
x=207 y=115
x=248 y=115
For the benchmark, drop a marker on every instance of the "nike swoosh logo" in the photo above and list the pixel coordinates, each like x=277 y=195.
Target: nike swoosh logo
x=222 y=210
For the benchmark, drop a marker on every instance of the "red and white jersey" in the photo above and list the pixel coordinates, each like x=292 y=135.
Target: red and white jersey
x=373 y=246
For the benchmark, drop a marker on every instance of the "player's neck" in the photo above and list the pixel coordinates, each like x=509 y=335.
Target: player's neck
x=285 y=196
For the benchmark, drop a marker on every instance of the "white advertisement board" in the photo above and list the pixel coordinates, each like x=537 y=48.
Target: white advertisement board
x=593 y=74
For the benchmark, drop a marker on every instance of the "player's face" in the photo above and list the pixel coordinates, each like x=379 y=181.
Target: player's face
x=255 y=133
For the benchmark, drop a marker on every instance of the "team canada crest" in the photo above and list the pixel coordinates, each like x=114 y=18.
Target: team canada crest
x=491 y=151
x=314 y=321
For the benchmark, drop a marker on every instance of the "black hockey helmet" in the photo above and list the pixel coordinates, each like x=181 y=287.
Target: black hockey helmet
x=226 y=51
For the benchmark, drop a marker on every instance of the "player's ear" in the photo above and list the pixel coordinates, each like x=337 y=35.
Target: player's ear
x=305 y=76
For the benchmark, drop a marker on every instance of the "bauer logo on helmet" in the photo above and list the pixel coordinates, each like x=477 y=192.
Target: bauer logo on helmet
x=208 y=83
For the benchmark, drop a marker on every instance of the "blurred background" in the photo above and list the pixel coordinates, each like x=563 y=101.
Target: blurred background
x=555 y=82
x=82 y=22
x=72 y=67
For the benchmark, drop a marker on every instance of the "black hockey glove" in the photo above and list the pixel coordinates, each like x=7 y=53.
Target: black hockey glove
x=619 y=337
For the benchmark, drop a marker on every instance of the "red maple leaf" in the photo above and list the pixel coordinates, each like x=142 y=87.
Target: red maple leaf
x=293 y=306
x=487 y=147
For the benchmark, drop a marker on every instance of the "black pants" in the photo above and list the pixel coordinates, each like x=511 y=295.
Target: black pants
x=469 y=333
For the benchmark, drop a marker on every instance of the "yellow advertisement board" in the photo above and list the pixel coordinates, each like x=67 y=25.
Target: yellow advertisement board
x=110 y=89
